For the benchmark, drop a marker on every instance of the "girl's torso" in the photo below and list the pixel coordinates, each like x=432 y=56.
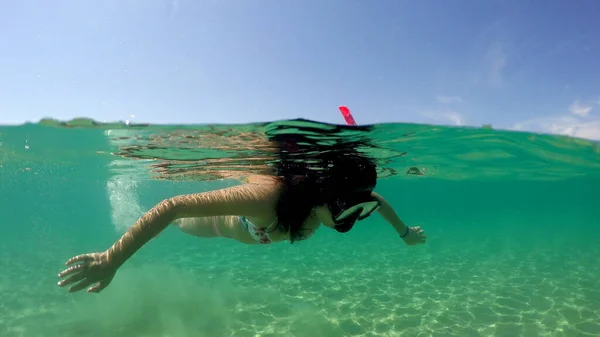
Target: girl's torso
x=261 y=227
x=251 y=229
x=248 y=229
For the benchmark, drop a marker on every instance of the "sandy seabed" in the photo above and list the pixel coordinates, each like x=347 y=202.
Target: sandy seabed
x=366 y=291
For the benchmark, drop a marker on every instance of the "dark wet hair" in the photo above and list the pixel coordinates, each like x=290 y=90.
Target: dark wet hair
x=303 y=192
x=313 y=175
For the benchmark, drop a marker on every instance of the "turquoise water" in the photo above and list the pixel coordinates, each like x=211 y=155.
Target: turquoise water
x=512 y=218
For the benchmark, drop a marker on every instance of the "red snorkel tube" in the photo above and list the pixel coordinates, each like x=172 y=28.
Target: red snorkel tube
x=347 y=115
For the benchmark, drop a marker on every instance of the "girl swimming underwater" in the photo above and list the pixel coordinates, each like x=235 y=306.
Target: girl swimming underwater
x=289 y=206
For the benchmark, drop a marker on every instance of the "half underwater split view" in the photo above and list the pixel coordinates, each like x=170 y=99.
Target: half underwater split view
x=512 y=223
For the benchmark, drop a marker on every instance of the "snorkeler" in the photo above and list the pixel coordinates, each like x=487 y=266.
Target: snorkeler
x=288 y=206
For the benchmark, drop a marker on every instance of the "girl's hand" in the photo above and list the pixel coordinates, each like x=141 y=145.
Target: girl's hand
x=88 y=269
x=415 y=236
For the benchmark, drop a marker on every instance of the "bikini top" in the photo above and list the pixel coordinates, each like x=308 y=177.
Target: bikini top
x=262 y=234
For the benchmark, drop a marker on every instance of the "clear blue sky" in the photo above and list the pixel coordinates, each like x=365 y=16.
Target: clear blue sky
x=531 y=65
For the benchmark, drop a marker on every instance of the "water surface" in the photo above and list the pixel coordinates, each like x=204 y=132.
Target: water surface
x=512 y=219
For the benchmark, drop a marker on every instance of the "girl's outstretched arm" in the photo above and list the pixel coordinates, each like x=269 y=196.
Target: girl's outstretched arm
x=410 y=235
x=247 y=199
x=99 y=268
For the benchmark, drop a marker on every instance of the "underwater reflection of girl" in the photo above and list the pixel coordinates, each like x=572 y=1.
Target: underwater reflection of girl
x=333 y=188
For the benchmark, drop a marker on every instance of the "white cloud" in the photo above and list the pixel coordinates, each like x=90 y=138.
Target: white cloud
x=449 y=99
x=589 y=130
x=563 y=125
x=577 y=123
x=580 y=109
x=495 y=60
x=444 y=116
x=173 y=8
